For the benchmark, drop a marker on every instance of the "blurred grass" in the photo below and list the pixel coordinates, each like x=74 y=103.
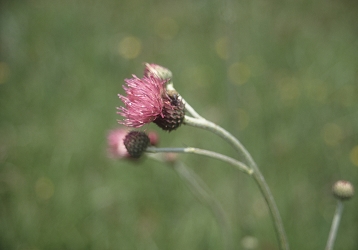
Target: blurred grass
x=281 y=75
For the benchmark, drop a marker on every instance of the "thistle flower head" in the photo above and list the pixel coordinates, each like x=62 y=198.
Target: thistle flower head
x=144 y=101
x=148 y=100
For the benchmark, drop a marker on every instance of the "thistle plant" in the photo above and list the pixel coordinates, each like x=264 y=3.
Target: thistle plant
x=153 y=98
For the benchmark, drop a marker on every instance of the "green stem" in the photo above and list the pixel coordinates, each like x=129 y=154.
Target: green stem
x=259 y=178
x=335 y=224
x=212 y=127
x=239 y=165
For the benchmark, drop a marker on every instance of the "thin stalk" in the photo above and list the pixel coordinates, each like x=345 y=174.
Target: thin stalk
x=259 y=178
x=239 y=165
x=210 y=126
x=335 y=224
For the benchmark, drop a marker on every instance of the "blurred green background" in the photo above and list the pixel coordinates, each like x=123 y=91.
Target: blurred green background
x=280 y=75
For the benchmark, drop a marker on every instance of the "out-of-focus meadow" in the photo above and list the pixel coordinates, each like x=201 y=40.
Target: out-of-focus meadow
x=282 y=76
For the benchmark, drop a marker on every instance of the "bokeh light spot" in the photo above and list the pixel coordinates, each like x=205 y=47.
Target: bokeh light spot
x=242 y=119
x=317 y=90
x=332 y=134
x=348 y=95
x=197 y=75
x=354 y=155
x=4 y=72
x=289 y=89
x=44 y=188
x=256 y=64
x=130 y=47
x=102 y=197
x=166 y=28
x=259 y=208
x=222 y=47
x=239 y=73
x=249 y=242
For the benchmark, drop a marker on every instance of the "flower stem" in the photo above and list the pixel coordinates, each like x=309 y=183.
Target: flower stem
x=239 y=165
x=207 y=125
x=257 y=175
x=335 y=224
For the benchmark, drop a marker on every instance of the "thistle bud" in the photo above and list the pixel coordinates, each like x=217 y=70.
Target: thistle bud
x=154 y=70
x=343 y=190
x=173 y=112
x=136 y=142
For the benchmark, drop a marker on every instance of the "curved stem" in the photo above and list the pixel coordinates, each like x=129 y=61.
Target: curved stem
x=205 y=124
x=259 y=178
x=239 y=165
x=335 y=225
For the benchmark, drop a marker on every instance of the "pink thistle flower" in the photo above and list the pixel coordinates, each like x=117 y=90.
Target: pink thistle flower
x=116 y=148
x=148 y=100
x=144 y=100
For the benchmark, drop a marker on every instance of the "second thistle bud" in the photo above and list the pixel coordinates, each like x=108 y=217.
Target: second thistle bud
x=343 y=190
x=136 y=142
